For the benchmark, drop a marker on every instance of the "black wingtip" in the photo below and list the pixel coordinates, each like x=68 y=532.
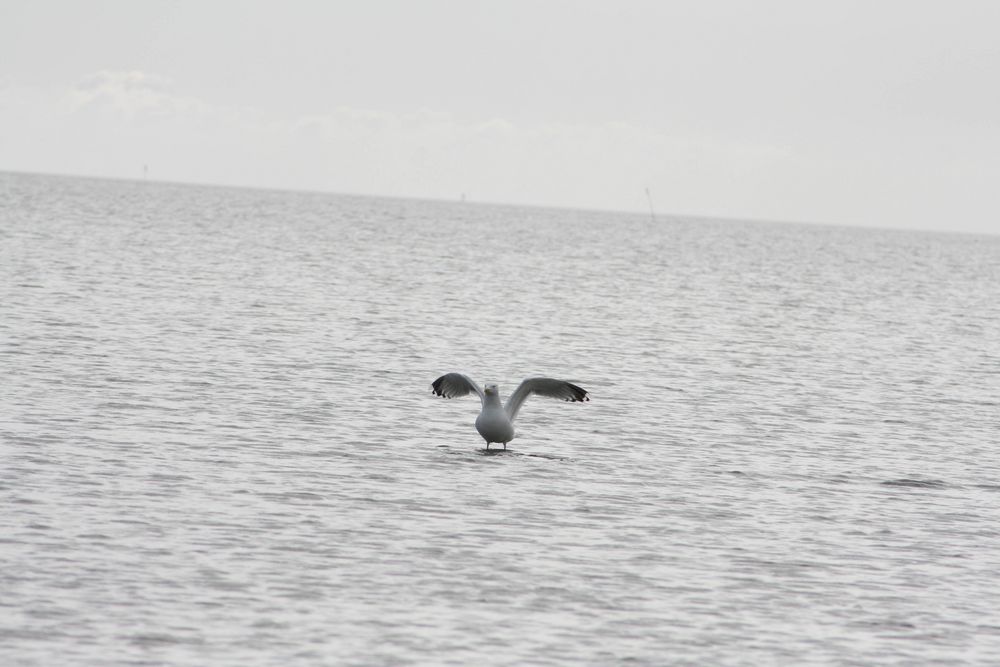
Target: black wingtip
x=579 y=393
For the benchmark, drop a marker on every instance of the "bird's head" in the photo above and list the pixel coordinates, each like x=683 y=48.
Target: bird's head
x=491 y=390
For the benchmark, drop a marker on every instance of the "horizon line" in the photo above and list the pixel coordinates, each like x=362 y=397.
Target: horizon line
x=467 y=202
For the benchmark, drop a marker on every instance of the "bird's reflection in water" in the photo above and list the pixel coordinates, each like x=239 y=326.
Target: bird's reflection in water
x=510 y=452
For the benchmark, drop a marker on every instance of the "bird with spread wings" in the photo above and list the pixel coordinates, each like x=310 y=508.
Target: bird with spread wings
x=496 y=419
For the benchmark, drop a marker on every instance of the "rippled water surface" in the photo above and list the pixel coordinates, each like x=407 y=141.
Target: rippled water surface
x=219 y=444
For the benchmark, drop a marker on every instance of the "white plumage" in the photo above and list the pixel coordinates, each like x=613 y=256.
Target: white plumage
x=496 y=420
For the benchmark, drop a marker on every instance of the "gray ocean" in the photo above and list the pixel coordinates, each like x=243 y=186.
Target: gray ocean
x=219 y=445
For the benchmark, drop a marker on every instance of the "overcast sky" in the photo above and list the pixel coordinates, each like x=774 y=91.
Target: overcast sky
x=873 y=113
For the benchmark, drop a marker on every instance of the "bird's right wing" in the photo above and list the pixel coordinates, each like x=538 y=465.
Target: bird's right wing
x=550 y=387
x=453 y=385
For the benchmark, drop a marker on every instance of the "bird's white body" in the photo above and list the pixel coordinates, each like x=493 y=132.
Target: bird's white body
x=496 y=420
x=493 y=423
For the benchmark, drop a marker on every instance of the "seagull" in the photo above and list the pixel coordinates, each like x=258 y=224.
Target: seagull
x=495 y=421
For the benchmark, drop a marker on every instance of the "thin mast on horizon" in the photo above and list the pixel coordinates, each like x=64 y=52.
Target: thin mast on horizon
x=649 y=198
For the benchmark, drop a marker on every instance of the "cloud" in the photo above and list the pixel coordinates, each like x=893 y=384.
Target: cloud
x=112 y=123
x=131 y=93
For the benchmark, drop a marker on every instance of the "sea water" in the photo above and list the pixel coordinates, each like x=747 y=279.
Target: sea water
x=219 y=446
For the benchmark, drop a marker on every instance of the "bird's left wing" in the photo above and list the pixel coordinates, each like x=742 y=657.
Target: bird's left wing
x=543 y=387
x=453 y=385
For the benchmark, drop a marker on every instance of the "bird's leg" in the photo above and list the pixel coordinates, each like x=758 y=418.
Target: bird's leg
x=505 y=446
x=487 y=445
